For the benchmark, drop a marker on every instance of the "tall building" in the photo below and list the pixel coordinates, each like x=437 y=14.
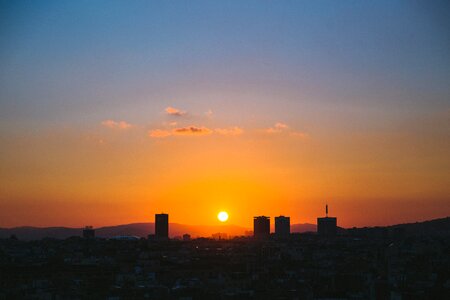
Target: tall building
x=282 y=227
x=161 y=226
x=261 y=227
x=327 y=226
x=88 y=232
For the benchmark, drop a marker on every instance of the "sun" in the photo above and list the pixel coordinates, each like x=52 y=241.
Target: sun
x=222 y=216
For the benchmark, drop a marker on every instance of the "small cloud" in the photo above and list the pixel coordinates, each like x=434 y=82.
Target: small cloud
x=209 y=113
x=173 y=124
x=174 y=111
x=116 y=124
x=158 y=133
x=278 y=127
x=230 y=131
x=192 y=130
x=281 y=126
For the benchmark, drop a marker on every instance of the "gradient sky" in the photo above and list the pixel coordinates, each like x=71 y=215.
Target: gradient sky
x=111 y=111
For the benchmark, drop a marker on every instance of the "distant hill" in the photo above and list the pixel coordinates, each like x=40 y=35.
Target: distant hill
x=303 y=227
x=436 y=227
x=134 y=229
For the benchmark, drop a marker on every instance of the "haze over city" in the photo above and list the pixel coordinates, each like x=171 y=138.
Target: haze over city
x=113 y=111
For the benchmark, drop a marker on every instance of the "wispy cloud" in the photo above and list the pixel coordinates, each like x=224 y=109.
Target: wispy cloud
x=174 y=111
x=230 y=131
x=116 y=124
x=281 y=126
x=188 y=130
x=158 y=133
x=278 y=127
x=192 y=130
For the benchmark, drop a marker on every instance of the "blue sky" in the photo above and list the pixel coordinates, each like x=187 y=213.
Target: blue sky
x=66 y=60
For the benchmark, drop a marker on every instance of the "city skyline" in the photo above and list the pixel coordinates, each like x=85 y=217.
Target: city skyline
x=262 y=228
x=111 y=111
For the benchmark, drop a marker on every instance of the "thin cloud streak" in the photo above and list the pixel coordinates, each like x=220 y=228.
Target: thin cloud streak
x=232 y=131
x=195 y=131
x=182 y=131
x=116 y=124
x=158 y=133
x=192 y=130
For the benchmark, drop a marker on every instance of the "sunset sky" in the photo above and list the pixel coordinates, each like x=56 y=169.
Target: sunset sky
x=112 y=111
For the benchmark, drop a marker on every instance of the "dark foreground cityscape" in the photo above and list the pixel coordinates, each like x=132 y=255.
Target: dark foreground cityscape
x=409 y=261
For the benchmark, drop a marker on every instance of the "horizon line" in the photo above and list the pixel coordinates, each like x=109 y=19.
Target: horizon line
x=218 y=225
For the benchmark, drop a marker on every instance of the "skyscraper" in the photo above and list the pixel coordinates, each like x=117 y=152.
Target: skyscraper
x=282 y=227
x=327 y=226
x=161 y=226
x=261 y=227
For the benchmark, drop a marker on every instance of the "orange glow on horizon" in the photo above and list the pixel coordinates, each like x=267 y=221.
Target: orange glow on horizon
x=65 y=178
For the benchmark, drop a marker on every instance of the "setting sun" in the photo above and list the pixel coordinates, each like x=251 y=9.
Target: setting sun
x=222 y=216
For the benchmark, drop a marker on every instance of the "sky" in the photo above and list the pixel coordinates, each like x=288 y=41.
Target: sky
x=112 y=111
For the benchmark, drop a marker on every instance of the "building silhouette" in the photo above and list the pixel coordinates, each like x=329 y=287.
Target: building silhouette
x=161 y=226
x=88 y=232
x=327 y=226
x=282 y=227
x=261 y=227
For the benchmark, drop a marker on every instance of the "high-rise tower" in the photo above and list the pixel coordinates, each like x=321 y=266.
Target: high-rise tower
x=327 y=226
x=161 y=226
x=261 y=227
x=282 y=227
